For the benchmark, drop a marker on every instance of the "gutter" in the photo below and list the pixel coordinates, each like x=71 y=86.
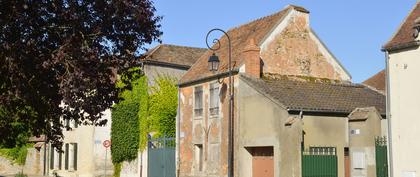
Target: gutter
x=208 y=78
x=388 y=116
x=401 y=46
x=160 y=63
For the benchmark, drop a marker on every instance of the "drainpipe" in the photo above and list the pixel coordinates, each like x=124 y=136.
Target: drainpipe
x=388 y=116
x=178 y=126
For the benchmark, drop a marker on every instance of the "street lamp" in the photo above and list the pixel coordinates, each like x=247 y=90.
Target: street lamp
x=213 y=64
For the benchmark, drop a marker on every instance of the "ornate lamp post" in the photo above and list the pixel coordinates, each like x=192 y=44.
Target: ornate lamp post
x=214 y=66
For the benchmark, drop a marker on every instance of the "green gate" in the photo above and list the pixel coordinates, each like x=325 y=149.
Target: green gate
x=161 y=157
x=381 y=157
x=319 y=162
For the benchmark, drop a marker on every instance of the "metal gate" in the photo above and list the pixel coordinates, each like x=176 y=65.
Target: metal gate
x=319 y=162
x=161 y=157
x=381 y=157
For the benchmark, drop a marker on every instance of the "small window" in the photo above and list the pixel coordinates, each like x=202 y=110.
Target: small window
x=322 y=150
x=198 y=101
x=199 y=156
x=67 y=124
x=214 y=99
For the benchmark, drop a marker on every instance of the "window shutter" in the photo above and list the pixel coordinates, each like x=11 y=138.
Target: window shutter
x=66 y=161
x=51 y=157
x=359 y=161
x=60 y=158
x=75 y=156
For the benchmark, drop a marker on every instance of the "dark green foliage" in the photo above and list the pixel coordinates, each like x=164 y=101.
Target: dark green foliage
x=125 y=122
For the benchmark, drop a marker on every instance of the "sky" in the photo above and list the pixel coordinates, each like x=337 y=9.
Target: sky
x=353 y=30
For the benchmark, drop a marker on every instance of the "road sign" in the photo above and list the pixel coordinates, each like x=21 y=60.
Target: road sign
x=107 y=143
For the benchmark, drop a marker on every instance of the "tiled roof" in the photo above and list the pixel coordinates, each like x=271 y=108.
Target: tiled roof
x=404 y=34
x=377 y=81
x=360 y=114
x=318 y=97
x=173 y=54
x=239 y=36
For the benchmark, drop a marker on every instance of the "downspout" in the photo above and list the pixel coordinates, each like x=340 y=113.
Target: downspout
x=178 y=126
x=388 y=116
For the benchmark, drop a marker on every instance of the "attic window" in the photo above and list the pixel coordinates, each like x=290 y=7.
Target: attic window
x=416 y=28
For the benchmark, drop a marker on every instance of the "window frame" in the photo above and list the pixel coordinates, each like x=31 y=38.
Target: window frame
x=195 y=110
x=213 y=86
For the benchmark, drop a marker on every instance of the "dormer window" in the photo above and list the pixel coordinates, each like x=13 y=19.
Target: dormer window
x=416 y=28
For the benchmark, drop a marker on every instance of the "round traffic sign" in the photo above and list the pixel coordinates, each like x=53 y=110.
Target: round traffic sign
x=107 y=143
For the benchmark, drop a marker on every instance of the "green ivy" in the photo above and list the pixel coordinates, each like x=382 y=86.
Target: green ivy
x=163 y=106
x=117 y=169
x=125 y=122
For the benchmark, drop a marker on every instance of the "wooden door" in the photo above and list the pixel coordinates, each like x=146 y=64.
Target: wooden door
x=346 y=162
x=262 y=162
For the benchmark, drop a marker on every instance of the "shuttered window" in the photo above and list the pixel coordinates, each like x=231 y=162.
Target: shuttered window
x=60 y=159
x=214 y=99
x=75 y=156
x=51 y=157
x=198 y=101
x=66 y=157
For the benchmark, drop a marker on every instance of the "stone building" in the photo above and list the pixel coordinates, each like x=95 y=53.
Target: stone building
x=290 y=94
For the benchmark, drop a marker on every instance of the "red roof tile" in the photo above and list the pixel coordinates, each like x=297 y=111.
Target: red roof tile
x=377 y=81
x=404 y=34
x=239 y=36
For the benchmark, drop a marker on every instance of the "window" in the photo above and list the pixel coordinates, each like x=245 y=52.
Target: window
x=66 y=157
x=67 y=124
x=214 y=99
x=74 y=156
x=358 y=160
x=198 y=101
x=51 y=157
x=322 y=150
x=199 y=156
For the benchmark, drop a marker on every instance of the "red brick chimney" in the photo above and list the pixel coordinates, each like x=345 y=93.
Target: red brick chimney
x=252 y=61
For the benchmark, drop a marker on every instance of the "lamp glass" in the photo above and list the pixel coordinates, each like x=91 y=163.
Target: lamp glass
x=213 y=62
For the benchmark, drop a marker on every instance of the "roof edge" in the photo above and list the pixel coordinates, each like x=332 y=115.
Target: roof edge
x=399 y=28
x=401 y=46
x=207 y=78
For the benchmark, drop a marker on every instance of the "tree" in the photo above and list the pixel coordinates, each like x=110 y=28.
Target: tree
x=59 y=59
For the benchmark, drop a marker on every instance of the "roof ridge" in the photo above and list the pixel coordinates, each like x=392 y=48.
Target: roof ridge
x=261 y=18
x=343 y=84
x=175 y=45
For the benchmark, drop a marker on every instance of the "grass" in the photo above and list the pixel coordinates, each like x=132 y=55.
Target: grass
x=21 y=174
x=16 y=154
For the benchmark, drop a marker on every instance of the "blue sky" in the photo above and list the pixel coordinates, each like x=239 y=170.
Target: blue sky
x=353 y=30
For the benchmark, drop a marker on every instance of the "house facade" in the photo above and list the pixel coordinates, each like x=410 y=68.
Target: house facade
x=84 y=153
x=402 y=54
x=291 y=95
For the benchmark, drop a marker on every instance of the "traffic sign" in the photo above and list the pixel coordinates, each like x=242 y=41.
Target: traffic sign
x=107 y=143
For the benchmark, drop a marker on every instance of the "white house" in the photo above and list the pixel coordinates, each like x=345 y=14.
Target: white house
x=403 y=96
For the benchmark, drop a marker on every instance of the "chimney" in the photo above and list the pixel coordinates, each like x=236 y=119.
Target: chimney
x=251 y=56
